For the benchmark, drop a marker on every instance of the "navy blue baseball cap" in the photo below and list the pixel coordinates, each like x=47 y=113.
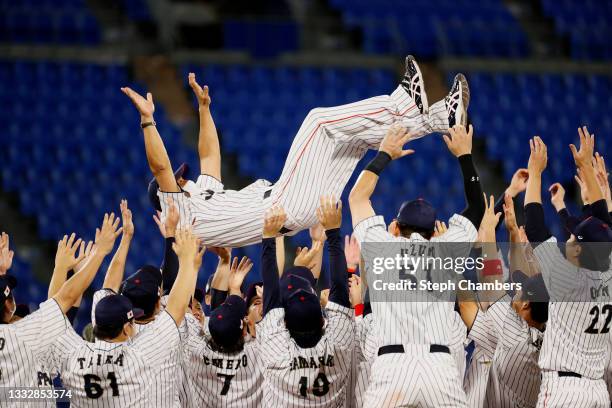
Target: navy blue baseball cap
x=303 y=311
x=417 y=213
x=251 y=292
x=181 y=172
x=115 y=310
x=198 y=294
x=533 y=287
x=7 y=284
x=143 y=288
x=226 y=321
x=292 y=282
x=593 y=230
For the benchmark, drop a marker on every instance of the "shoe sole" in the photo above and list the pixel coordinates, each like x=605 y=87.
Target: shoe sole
x=424 y=101
x=465 y=100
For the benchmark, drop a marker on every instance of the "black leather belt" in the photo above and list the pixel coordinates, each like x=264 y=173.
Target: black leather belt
x=398 y=348
x=568 y=374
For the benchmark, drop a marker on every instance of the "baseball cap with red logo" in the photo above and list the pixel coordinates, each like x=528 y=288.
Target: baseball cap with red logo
x=115 y=310
x=143 y=288
x=225 y=322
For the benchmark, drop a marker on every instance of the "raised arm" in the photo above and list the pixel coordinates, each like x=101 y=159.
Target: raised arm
x=535 y=226
x=391 y=148
x=74 y=287
x=602 y=179
x=584 y=163
x=460 y=145
x=157 y=157
x=518 y=184
x=6 y=254
x=274 y=219
x=190 y=259
x=238 y=272
x=208 y=140
x=116 y=268
x=170 y=264
x=330 y=217
x=220 y=282
x=317 y=233
x=557 y=199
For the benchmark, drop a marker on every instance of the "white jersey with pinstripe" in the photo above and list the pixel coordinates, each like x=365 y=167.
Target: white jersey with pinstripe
x=24 y=347
x=477 y=376
x=514 y=378
x=118 y=374
x=458 y=340
x=416 y=376
x=365 y=348
x=323 y=155
x=306 y=377
x=221 y=379
x=169 y=383
x=576 y=337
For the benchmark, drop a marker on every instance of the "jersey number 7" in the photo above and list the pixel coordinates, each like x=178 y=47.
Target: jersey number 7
x=227 y=381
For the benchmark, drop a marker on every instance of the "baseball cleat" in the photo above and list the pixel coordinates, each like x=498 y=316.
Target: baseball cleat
x=414 y=85
x=457 y=101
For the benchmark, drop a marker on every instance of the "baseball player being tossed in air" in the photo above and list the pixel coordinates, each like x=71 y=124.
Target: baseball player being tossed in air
x=414 y=366
x=323 y=155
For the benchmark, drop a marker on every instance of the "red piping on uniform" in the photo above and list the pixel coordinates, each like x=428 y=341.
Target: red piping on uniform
x=332 y=121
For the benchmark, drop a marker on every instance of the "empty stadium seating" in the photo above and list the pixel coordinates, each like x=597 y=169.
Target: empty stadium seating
x=428 y=29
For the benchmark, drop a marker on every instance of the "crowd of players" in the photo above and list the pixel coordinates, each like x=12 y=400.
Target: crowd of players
x=308 y=336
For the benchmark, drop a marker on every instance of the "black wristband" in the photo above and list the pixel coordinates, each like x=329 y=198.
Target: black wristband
x=378 y=163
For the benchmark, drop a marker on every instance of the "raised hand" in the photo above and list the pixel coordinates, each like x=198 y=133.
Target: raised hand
x=307 y=257
x=200 y=93
x=330 y=212
x=160 y=224
x=224 y=254
x=489 y=220
x=107 y=234
x=394 y=141
x=352 y=253
x=6 y=255
x=187 y=248
x=317 y=233
x=583 y=157
x=557 y=196
x=538 y=157
x=509 y=214
x=602 y=178
x=440 y=228
x=460 y=141
x=518 y=184
x=144 y=106
x=238 y=272
x=84 y=252
x=65 y=258
x=355 y=290
x=273 y=222
x=584 y=191
x=126 y=219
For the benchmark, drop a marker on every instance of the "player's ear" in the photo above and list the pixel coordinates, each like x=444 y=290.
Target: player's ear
x=394 y=229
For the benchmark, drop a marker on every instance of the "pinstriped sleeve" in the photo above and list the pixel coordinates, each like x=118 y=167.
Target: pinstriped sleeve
x=42 y=327
x=272 y=336
x=340 y=324
x=482 y=332
x=183 y=204
x=373 y=229
x=159 y=342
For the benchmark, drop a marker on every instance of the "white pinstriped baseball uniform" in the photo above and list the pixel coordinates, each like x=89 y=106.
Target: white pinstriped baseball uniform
x=458 y=340
x=415 y=376
x=514 y=377
x=117 y=374
x=477 y=375
x=306 y=377
x=323 y=155
x=575 y=339
x=169 y=382
x=365 y=348
x=24 y=347
x=220 y=379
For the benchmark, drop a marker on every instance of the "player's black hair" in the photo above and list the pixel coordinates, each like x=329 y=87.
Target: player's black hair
x=107 y=332
x=407 y=230
x=2 y=304
x=539 y=311
x=307 y=339
x=237 y=347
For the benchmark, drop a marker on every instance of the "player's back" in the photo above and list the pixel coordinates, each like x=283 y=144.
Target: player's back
x=307 y=377
x=116 y=374
x=218 y=379
x=24 y=346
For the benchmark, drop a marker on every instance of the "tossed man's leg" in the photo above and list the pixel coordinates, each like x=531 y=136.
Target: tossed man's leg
x=331 y=141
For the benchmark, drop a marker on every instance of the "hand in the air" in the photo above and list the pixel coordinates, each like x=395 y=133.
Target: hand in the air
x=144 y=106
x=518 y=184
x=538 y=156
x=557 y=196
x=200 y=93
x=307 y=257
x=330 y=212
x=65 y=256
x=238 y=272
x=583 y=157
x=126 y=219
x=394 y=141
x=273 y=222
x=107 y=233
x=460 y=140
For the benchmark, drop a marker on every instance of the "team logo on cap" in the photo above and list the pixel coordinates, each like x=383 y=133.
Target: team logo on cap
x=130 y=314
x=7 y=291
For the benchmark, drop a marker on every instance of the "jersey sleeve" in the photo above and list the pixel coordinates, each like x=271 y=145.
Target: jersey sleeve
x=340 y=325
x=61 y=350
x=192 y=334
x=373 y=229
x=97 y=297
x=482 y=332
x=560 y=276
x=273 y=337
x=206 y=182
x=182 y=203
x=160 y=341
x=41 y=328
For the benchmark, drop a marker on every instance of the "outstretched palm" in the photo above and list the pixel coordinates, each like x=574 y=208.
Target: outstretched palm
x=145 y=106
